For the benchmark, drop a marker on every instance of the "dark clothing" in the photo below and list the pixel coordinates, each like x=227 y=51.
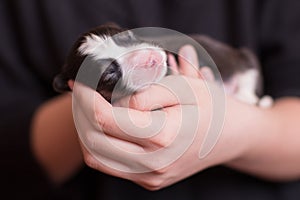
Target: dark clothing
x=36 y=36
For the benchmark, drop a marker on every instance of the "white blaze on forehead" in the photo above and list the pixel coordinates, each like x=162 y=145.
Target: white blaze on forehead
x=91 y=43
x=141 y=63
x=103 y=47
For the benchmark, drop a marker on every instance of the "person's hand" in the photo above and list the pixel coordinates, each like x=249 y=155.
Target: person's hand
x=157 y=141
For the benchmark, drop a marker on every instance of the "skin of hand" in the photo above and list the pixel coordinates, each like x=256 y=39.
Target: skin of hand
x=98 y=124
x=53 y=126
x=260 y=142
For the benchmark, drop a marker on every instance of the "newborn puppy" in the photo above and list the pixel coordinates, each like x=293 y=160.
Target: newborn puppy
x=142 y=63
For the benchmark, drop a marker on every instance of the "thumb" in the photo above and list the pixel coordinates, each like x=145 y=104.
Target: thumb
x=170 y=91
x=188 y=61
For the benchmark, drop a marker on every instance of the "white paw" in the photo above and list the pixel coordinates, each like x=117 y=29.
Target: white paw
x=265 y=102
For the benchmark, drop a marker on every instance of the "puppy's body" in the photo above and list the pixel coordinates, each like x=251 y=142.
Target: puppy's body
x=134 y=63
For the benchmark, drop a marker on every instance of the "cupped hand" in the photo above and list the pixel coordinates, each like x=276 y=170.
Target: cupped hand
x=154 y=137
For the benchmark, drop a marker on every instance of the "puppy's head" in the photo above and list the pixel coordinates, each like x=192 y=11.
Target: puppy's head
x=119 y=56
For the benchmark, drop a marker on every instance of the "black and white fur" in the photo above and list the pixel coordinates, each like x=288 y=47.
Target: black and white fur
x=135 y=63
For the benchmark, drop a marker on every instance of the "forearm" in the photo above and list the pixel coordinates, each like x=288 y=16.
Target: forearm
x=54 y=139
x=274 y=142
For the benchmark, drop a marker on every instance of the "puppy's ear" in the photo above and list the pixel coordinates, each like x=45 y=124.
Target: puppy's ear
x=60 y=84
x=112 y=25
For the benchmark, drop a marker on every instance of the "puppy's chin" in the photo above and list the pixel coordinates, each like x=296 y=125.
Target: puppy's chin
x=143 y=67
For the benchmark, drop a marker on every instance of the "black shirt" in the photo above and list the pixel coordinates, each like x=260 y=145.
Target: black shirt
x=37 y=35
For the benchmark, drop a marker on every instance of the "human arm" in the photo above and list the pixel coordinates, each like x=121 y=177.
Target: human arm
x=54 y=139
x=261 y=142
x=246 y=143
x=271 y=147
x=274 y=153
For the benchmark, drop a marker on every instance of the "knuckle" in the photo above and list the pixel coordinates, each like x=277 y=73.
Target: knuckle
x=101 y=122
x=98 y=117
x=90 y=140
x=140 y=100
x=136 y=102
x=160 y=141
x=90 y=161
x=160 y=171
x=133 y=101
x=153 y=183
x=154 y=165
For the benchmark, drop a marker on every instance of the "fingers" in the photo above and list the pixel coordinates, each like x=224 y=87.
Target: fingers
x=92 y=113
x=189 y=64
x=188 y=61
x=155 y=97
x=108 y=158
x=171 y=91
x=207 y=74
x=164 y=148
x=84 y=100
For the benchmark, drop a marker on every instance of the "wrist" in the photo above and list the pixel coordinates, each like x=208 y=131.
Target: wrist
x=240 y=134
x=255 y=129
